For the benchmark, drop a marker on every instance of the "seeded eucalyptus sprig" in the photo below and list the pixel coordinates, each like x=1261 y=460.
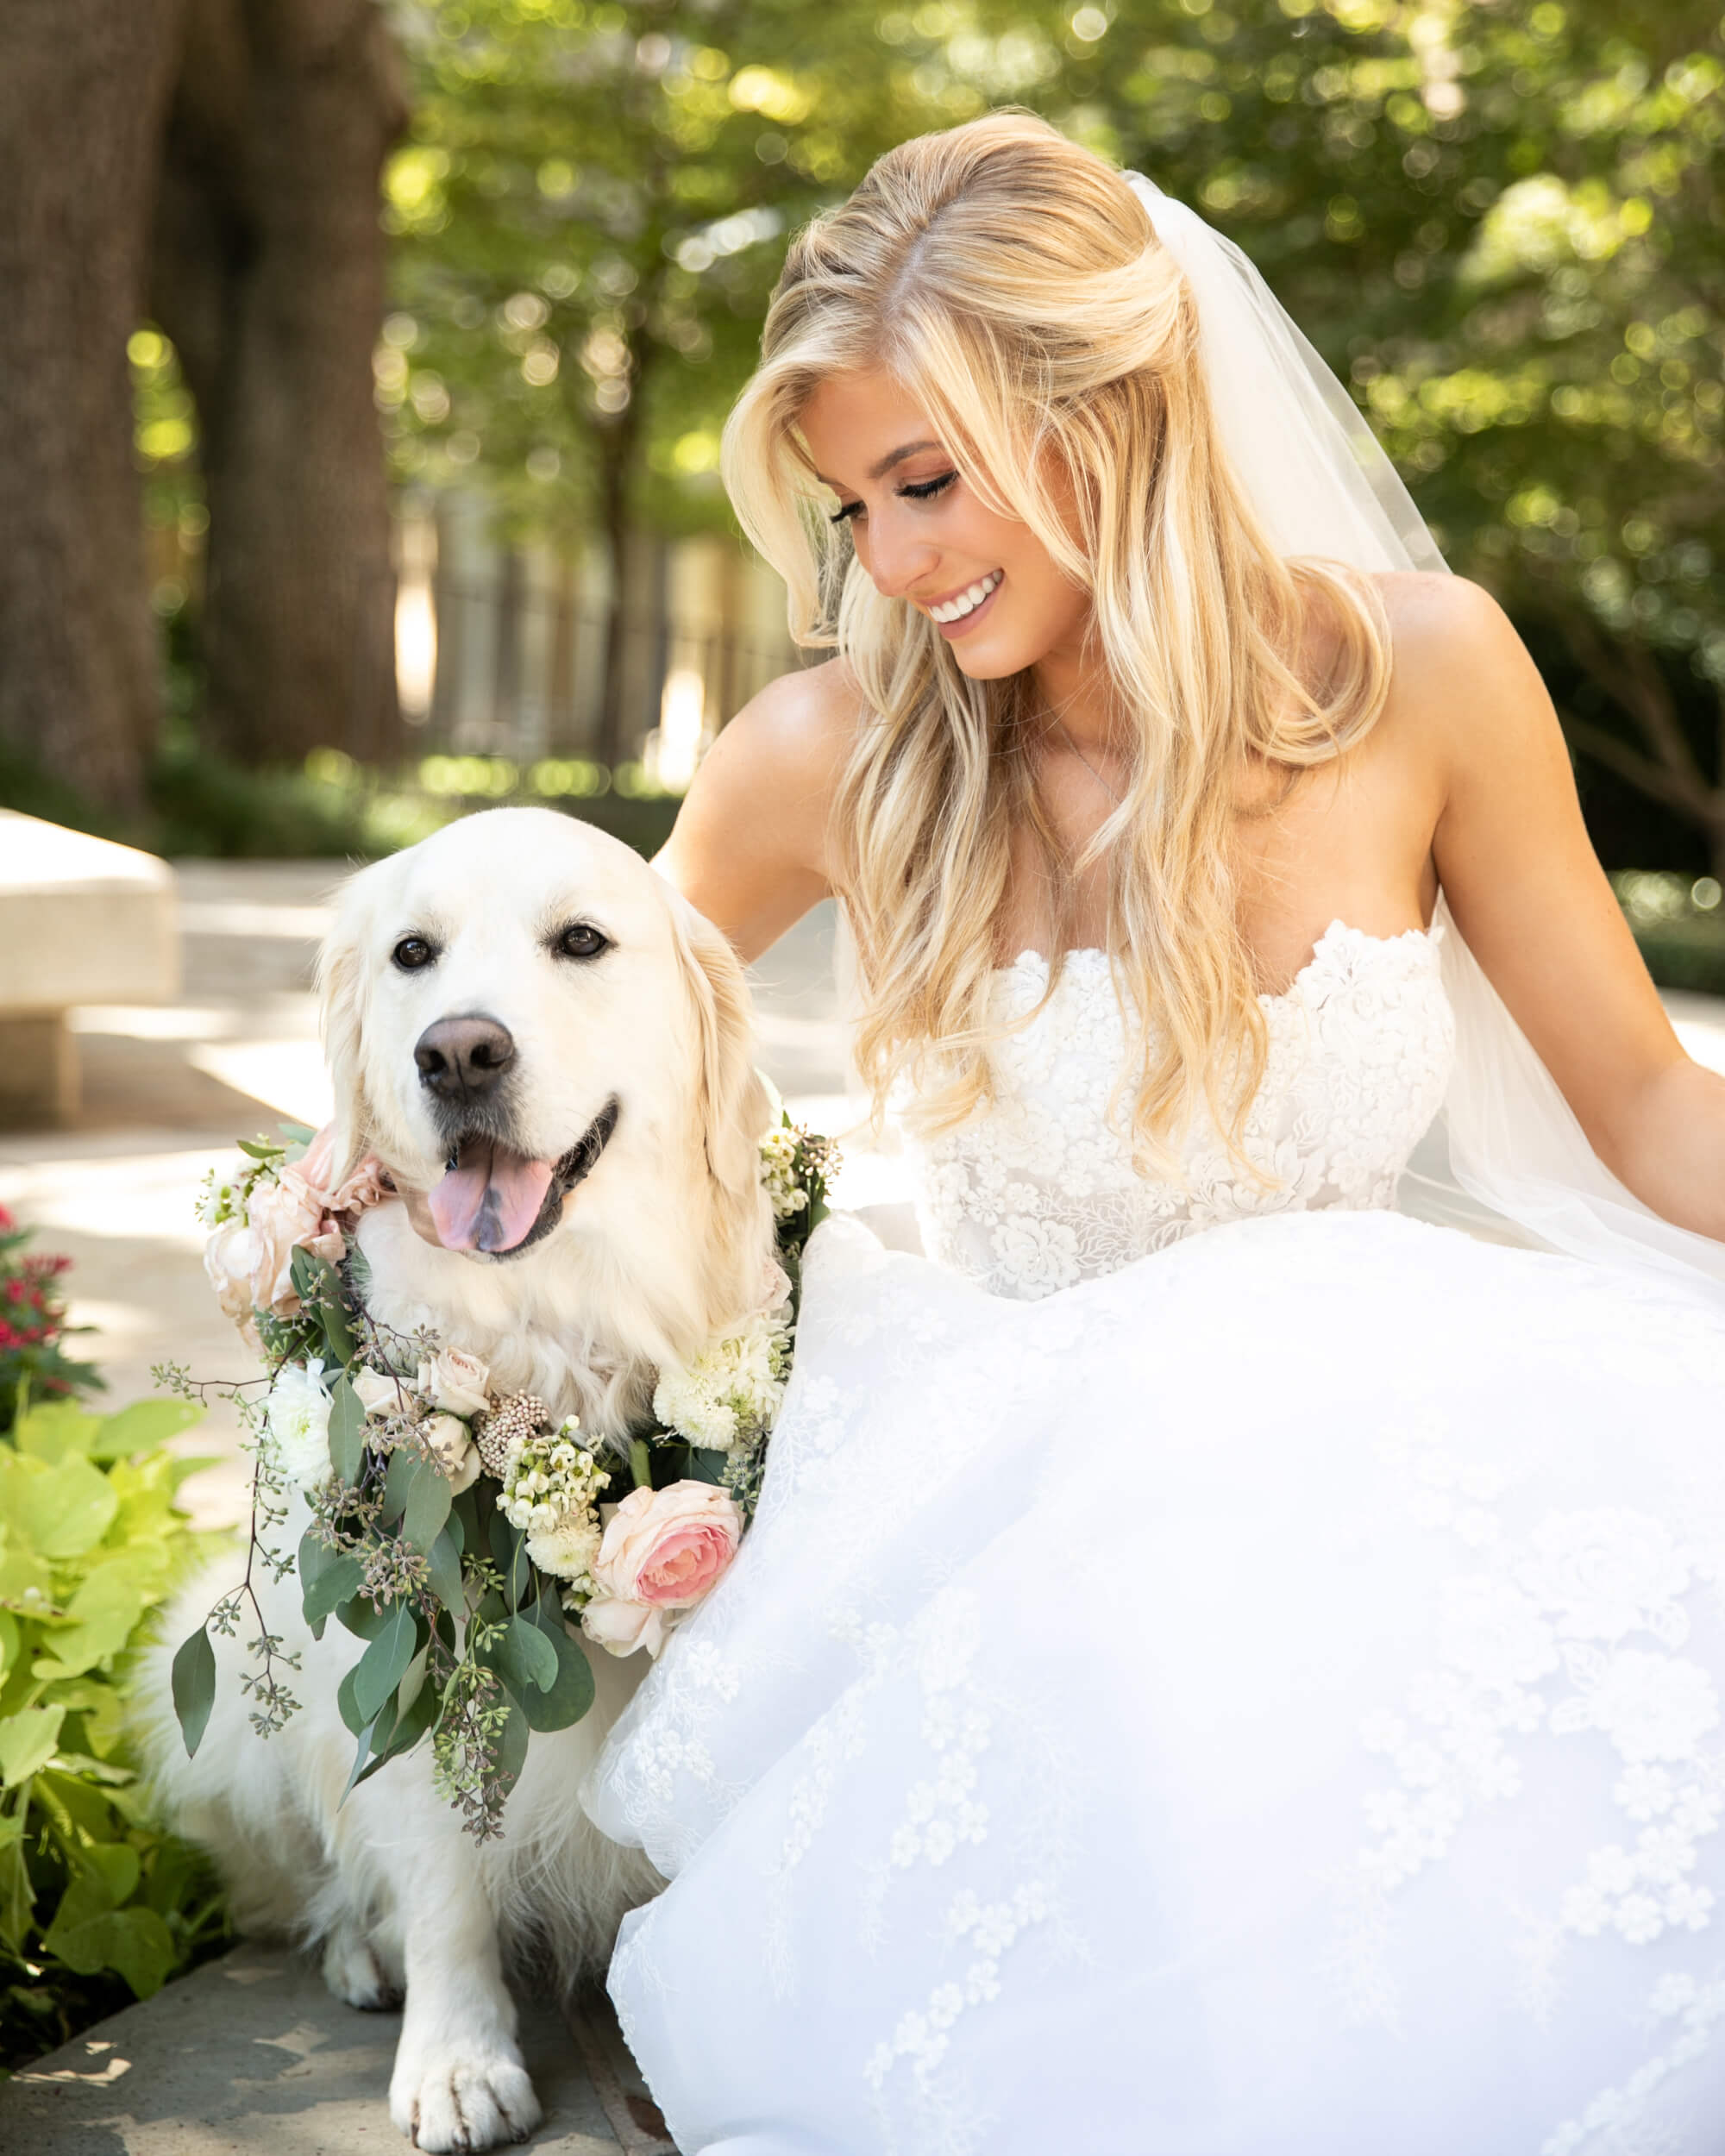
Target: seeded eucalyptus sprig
x=413 y=1545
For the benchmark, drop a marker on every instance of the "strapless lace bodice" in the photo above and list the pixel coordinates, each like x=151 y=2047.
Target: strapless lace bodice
x=1035 y=1190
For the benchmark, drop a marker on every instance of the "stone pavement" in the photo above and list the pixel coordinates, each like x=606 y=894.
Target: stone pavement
x=251 y=2052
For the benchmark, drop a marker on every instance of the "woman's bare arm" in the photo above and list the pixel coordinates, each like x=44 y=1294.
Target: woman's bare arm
x=749 y=846
x=1528 y=894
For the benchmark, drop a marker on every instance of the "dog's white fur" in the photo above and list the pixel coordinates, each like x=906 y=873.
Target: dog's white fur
x=664 y=1245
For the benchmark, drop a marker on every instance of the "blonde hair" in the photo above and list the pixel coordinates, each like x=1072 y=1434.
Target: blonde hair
x=1013 y=283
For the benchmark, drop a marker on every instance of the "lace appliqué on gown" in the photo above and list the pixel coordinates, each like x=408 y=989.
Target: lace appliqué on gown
x=1035 y=1191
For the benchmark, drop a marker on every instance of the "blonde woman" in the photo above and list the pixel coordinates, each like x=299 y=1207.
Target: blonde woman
x=1223 y=1668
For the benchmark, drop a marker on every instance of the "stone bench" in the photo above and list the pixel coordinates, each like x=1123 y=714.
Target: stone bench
x=82 y=920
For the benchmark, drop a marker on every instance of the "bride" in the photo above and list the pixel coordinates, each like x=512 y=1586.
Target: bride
x=1222 y=1668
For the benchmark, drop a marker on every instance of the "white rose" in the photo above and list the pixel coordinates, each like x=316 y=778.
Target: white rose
x=379 y=1392
x=455 y=1382
x=450 y=1444
x=296 y=1422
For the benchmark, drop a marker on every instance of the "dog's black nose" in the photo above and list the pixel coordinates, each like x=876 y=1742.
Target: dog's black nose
x=461 y=1058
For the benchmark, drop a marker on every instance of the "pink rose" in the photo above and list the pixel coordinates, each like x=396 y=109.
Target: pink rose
x=668 y=1547
x=368 y=1185
x=282 y=1216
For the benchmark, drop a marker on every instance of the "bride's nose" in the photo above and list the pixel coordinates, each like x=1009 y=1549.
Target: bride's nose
x=898 y=561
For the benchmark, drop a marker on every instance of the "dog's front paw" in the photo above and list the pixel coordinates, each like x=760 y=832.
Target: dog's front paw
x=464 y=2099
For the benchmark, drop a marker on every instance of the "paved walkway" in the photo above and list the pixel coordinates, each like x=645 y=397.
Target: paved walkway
x=251 y=2053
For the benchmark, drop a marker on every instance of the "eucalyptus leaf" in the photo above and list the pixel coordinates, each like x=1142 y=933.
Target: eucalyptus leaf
x=443 y=1568
x=333 y=1585
x=405 y=1466
x=257 y=1150
x=348 y=1705
x=706 y=1465
x=569 y=1697
x=527 y=1657
x=347 y=1430
x=194 y=1687
x=428 y=1499
x=383 y=1664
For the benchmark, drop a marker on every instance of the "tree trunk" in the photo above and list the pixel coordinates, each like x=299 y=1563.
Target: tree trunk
x=83 y=87
x=269 y=278
x=617 y=446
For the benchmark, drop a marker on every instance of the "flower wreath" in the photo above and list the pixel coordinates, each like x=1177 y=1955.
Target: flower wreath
x=456 y=1529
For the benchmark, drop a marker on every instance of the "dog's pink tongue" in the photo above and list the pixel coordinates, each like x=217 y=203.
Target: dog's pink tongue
x=490 y=1199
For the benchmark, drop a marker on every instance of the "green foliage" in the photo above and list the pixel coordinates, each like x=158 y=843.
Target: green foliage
x=97 y=1904
x=1500 y=222
x=1679 y=924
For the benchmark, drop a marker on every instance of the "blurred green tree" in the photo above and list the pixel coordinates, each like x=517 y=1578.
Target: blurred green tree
x=591 y=214
x=1499 y=221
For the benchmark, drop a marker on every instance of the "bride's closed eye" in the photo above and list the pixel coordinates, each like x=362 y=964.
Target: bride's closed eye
x=912 y=491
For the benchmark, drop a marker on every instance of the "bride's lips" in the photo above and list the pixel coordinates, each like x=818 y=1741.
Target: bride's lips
x=953 y=630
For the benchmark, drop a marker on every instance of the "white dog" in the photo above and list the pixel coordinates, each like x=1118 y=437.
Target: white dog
x=551 y=1053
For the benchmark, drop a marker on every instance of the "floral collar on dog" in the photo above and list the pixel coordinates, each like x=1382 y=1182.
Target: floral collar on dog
x=453 y=1528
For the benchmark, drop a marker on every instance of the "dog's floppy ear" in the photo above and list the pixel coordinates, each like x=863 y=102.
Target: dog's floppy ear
x=344 y=985
x=731 y=1100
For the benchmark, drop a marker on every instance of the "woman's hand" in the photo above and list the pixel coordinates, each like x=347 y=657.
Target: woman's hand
x=749 y=846
x=1528 y=894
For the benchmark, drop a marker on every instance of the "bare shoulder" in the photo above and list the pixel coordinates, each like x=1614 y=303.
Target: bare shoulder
x=1460 y=679
x=750 y=847
x=796 y=732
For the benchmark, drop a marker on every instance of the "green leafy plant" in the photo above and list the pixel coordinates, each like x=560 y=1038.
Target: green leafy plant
x=97 y=1904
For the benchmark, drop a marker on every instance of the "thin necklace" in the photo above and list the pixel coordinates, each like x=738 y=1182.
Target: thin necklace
x=1086 y=761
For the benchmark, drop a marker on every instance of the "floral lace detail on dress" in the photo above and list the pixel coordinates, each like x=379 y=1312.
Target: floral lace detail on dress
x=1035 y=1191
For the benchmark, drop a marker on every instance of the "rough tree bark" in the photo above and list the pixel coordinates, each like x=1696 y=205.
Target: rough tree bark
x=269 y=277
x=83 y=87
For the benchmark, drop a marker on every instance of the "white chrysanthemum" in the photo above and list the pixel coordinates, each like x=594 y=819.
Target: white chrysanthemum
x=567 y=1551
x=779 y=1174
x=296 y=1413
x=732 y=1391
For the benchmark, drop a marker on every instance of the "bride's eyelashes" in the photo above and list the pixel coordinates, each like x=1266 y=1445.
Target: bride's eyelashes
x=912 y=491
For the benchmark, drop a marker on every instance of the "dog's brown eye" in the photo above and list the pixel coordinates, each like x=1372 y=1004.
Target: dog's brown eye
x=581 y=942
x=412 y=953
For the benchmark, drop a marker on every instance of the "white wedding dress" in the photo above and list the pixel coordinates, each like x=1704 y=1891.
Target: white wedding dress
x=1217 y=1671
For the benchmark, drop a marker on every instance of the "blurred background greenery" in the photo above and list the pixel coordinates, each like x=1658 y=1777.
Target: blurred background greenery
x=366 y=367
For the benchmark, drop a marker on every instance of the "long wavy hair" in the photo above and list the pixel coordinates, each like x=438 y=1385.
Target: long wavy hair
x=1012 y=282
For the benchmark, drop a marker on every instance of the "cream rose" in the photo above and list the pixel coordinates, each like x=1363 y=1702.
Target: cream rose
x=450 y=1444
x=379 y=1392
x=668 y=1547
x=622 y=1627
x=455 y=1382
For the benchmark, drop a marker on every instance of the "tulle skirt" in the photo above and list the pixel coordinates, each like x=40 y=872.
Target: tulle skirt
x=1266 y=1700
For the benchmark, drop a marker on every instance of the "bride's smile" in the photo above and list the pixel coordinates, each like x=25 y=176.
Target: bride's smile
x=925 y=532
